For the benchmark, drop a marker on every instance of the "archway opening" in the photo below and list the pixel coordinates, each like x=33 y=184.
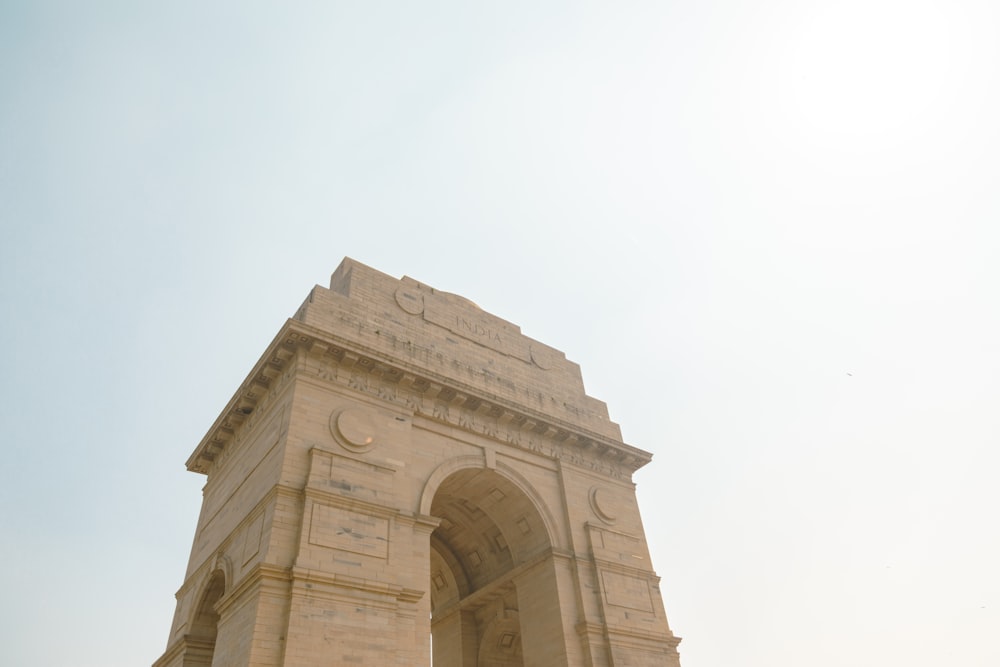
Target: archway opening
x=205 y=626
x=490 y=529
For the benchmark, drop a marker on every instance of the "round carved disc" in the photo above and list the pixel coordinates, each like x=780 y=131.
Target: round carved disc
x=410 y=300
x=542 y=358
x=602 y=505
x=354 y=428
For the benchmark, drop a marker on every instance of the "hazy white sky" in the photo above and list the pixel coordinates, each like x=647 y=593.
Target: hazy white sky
x=768 y=232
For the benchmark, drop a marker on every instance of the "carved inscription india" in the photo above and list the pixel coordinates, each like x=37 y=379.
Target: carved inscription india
x=464 y=318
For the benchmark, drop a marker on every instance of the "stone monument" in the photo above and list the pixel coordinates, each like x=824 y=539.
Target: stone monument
x=400 y=471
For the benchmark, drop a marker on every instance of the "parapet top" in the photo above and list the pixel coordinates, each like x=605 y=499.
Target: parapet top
x=447 y=333
x=441 y=342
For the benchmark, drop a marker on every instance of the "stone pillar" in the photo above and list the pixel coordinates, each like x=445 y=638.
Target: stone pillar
x=544 y=637
x=457 y=642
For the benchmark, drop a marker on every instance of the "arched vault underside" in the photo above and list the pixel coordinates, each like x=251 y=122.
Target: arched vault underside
x=490 y=531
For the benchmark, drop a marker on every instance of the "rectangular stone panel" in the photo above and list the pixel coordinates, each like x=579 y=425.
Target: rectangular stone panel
x=623 y=590
x=346 y=476
x=615 y=546
x=251 y=543
x=337 y=528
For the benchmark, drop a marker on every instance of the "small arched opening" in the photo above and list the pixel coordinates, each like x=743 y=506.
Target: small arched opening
x=205 y=625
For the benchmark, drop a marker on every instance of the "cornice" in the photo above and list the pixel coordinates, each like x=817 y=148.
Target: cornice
x=302 y=348
x=302 y=576
x=643 y=639
x=262 y=383
x=261 y=574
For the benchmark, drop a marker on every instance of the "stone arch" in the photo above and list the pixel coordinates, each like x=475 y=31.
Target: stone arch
x=204 y=625
x=224 y=564
x=441 y=472
x=459 y=463
x=492 y=533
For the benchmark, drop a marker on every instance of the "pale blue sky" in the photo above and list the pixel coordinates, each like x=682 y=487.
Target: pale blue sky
x=768 y=232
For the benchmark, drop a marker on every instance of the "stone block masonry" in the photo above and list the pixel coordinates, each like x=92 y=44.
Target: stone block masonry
x=399 y=464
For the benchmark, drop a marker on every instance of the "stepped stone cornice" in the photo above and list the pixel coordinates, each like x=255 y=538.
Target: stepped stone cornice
x=360 y=334
x=301 y=348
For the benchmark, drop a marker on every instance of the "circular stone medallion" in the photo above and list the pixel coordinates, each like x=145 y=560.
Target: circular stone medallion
x=602 y=506
x=410 y=300
x=354 y=429
x=543 y=358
